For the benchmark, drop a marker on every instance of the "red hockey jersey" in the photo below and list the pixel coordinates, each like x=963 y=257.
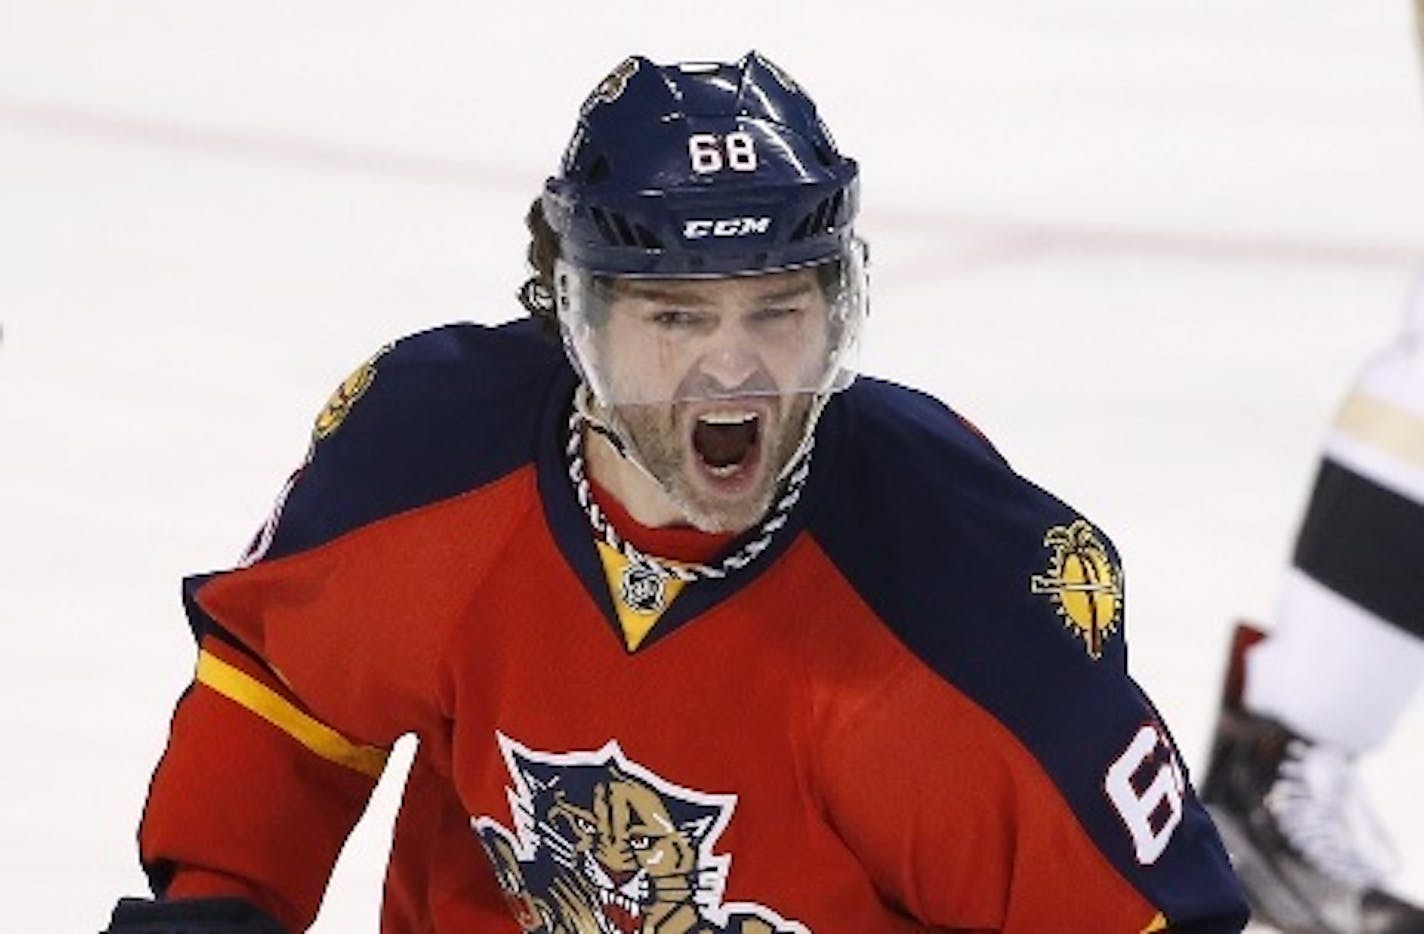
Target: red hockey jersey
x=911 y=713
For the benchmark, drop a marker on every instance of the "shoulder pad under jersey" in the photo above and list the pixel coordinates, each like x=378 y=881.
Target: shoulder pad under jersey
x=428 y=417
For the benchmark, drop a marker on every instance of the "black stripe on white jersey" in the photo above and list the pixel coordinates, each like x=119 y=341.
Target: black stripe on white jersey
x=1366 y=543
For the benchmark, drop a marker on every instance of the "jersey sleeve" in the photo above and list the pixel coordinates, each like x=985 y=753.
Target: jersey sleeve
x=326 y=644
x=1010 y=775
x=962 y=828
x=255 y=795
x=298 y=691
x=322 y=647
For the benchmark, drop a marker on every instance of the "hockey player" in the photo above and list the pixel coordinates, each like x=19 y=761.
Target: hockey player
x=1340 y=664
x=1302 y=705
x=697 y=633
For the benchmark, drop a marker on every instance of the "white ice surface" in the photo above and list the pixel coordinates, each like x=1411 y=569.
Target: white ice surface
x=1143 y=245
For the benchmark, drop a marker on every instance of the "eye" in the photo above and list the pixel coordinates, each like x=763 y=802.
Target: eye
x=675 y=318
x=639 y=841
x=777 y=314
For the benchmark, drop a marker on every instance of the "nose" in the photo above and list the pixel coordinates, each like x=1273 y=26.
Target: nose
x=730 y=364
x=619 y=877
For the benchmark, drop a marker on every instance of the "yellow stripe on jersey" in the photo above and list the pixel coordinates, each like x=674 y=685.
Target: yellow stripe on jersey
x=1158 y=923
x=1386 y=427
x=241 y=688
x=636 y=623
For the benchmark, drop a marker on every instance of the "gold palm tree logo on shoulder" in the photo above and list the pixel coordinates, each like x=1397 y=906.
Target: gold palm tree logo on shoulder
x=1085 y=585
x=351 y=389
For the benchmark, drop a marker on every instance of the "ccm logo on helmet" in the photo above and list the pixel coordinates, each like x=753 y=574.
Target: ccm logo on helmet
x=725 y=227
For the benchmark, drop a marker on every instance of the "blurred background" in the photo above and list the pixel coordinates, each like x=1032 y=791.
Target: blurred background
x=1143 y=246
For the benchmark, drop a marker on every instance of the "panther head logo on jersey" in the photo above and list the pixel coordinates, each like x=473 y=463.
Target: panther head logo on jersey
x=603 y=846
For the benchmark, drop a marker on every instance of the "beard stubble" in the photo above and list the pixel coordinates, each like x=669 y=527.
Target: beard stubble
x=660 y=437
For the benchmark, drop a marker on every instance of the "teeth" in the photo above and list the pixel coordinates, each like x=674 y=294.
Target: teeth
x=622 y=901
x=726 y=471
x=727 y=417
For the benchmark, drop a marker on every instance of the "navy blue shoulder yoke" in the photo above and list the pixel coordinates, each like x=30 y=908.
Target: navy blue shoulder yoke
x=1003 y=590
x=429 y=417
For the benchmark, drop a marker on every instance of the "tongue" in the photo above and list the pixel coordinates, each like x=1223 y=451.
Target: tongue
x=623 y=919
x=724 y=445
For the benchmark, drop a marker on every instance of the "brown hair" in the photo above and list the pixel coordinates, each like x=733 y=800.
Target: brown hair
x=537 y=292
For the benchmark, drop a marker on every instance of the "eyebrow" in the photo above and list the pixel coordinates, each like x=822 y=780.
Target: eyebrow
x=677 y=296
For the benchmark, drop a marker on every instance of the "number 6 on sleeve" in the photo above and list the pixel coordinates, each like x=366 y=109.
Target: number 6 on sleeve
x=1148 y=800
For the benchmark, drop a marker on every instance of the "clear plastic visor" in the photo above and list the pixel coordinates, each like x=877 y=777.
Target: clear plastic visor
x=646 y=341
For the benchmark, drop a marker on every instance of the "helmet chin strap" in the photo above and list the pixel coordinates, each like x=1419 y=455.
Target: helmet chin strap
x=808 y=433
x=591 y=412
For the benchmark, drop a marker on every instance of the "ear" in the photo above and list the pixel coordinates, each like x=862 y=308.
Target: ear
x=697 y=822
x=696 y=828
x=538 y=776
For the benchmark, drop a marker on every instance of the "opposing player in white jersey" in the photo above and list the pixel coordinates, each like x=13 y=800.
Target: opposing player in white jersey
x=1344 y=658
x=1341 y=663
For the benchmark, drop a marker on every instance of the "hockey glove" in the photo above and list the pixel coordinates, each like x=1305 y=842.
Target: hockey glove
x=190 y=916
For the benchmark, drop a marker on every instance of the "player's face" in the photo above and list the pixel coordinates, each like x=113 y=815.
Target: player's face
x=735 y=358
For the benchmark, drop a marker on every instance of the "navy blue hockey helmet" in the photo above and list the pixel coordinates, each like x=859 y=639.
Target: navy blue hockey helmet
x=703 y=171
x=700 y=169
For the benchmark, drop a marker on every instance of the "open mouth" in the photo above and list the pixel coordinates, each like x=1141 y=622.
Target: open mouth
x=727 y=441
x=621 y=915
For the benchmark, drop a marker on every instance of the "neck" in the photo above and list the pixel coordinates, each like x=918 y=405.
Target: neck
x=642 y=496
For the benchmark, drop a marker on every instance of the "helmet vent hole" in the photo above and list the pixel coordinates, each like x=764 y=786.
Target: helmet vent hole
x=646 y=238
x=625 y=233
x=824 y=218
x=600 y=171
x=605 y=229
